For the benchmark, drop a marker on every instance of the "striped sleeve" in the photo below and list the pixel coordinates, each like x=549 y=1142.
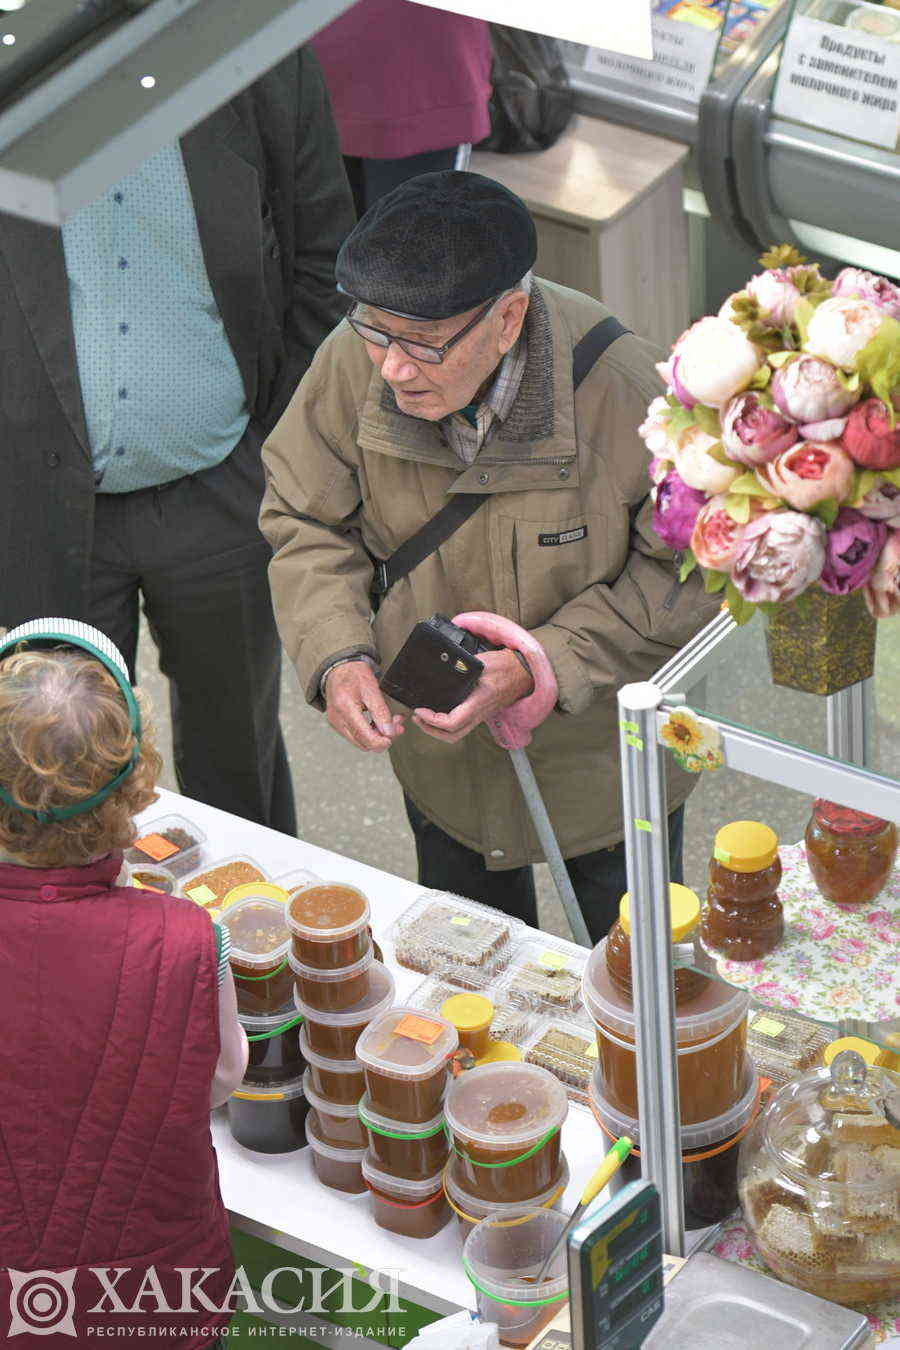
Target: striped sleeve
x=223 y=949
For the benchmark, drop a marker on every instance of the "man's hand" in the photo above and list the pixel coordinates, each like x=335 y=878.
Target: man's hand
x=356 y=709
x=504 y=681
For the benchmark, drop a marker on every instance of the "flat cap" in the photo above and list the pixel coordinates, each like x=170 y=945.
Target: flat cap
x=438 y=245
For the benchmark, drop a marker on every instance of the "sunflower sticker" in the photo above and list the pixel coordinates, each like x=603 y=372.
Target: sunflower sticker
x=695 y=743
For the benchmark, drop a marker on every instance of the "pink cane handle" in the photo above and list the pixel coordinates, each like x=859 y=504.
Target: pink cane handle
x=512 y=728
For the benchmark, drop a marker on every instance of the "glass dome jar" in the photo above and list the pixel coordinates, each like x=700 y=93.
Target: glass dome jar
x=819 y=1182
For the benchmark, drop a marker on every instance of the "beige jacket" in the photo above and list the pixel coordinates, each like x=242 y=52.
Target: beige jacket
x=349 y=475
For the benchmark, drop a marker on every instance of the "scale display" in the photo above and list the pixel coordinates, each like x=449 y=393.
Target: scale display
x=616 y=1271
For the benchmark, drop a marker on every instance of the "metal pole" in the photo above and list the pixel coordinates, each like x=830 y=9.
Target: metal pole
x=538 y=811
x=847 y=723
x=647 y=859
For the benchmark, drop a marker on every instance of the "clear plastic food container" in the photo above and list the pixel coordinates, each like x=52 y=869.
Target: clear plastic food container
x=470 y=1209
x=503 y=1256
x=339 y=1124
x=275 y=1053
x=260 y=941
x=413 y=1209
x=335 y=1034
x=505 y=1122
x=711 y=1038
x=330 y=925
x=151 y=877
x=819 y=1182
x=403 y=1149
x=332 y=990
x=172 y=840
x=269 y=1119
x=340 y=1080
x=447 y=935
x=566 y=1049
x=404 y=1054
x=339 y=1168
x=210 y=886
x=545 y=973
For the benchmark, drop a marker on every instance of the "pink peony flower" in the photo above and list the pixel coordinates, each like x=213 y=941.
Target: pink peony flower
x=778 y=556
x=854 y=283
x=776 y=295
x=882 y=502
x=809 y=473
x=840 y=328
x=809 y=390
x=882 y=590
x=652 y=430
x=716 y=536
x=713 y=360
x=698 y=468
x=830 y=430
x=752 y=433
x=675 y=508
x=869 y=438
x=852 y=547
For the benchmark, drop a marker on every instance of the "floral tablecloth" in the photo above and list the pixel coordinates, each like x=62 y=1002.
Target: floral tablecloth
x=835 y=961
x=734 y=1243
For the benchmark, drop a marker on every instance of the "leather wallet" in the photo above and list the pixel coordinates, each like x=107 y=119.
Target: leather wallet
x=436 y=667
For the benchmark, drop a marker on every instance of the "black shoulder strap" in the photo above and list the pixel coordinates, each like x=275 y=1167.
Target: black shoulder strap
x=436 y=531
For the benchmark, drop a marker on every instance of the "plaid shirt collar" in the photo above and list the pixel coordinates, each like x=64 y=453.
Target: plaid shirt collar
x=466 y=440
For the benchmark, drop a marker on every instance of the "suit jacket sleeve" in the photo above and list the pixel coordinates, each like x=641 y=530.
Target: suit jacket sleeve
x=623 y=630
x=323 y=217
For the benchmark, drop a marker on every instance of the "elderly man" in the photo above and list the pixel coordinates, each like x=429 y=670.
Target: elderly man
x=453 y=375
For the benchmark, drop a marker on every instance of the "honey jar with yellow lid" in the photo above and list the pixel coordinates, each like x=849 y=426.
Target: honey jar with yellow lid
x=743 y=919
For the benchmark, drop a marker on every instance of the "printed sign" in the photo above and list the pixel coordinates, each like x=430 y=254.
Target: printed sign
x=840 y=79
x=597 y=23
x=682 y=62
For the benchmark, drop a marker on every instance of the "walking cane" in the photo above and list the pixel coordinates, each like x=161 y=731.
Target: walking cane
x=512 y=730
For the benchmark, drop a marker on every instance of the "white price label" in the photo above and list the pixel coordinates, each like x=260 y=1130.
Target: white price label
x=683 y=59
x=840 y=79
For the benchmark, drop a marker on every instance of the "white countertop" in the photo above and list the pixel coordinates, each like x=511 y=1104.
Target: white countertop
x=279 y=1197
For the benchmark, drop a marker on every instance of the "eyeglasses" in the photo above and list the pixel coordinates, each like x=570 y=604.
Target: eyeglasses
x=419 y=351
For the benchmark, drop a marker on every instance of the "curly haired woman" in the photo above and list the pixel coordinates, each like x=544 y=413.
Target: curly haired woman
x=120 y=1025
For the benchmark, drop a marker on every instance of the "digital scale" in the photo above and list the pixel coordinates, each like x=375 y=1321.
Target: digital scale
x=616 y=1271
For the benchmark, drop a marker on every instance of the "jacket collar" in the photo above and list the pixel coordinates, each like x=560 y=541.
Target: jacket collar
x=540 y=425
x=50 y=884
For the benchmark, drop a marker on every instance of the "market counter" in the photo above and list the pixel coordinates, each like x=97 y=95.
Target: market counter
x=276 y=1199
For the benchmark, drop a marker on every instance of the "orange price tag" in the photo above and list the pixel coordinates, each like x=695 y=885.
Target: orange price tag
x=418 y=1029
x=156 y=847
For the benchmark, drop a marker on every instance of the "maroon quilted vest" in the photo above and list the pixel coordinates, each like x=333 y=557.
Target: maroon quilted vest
x=108 y=1044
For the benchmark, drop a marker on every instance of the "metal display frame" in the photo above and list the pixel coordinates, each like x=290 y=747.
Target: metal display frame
x=643 y=709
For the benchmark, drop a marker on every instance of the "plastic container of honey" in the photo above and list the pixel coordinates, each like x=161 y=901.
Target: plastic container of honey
x=684 y=916
x=850 y=854
x=339 y=1123
x=470 y=1209
x=711 y=1044
x=148 y=877
x=260 y=941
x=339 y=1168
x=274 y=1039
x=405 y=1150
x=404 y=1054
x=269 y=1119
x=413 y=1209
x=471 y=1015
x=743 y=919
x=335 y=1034
x=329 y=922
x=709 y=1152
x=505 y=1122
x=503 y=1256
x=340 y=1080
x=333 y=990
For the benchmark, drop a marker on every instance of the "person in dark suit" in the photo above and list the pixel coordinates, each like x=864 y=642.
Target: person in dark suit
x=146 y=350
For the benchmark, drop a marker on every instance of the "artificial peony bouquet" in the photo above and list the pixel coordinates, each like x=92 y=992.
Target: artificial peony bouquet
x=776 y=449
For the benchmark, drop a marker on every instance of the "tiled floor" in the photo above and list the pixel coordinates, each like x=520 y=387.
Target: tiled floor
x=349 y=801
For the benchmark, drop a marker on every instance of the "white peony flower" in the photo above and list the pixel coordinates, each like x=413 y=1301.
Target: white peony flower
x=714 y=360
x=652 y=430
x=840 y=328
x=697 y=467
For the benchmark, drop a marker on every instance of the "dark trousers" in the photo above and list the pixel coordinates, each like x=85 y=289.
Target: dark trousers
x=599 y=878
x=374 y=178
x=193 y=551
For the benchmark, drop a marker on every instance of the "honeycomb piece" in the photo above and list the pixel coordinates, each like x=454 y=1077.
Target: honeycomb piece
x=870 y=1129
x=789 y=1235
x=888 y=1158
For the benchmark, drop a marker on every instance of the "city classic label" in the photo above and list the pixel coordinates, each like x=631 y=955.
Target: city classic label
x=565 y=537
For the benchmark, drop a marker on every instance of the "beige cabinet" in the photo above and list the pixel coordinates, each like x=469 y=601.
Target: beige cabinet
x=607 y=201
